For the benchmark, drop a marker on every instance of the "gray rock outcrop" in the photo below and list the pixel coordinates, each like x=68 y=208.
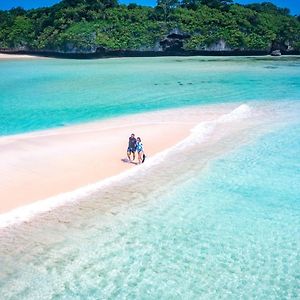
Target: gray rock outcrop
x=218 y=46
x=276 y=53
x=174 y=40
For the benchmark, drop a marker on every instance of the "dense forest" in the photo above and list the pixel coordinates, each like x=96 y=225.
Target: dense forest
x=87 y=26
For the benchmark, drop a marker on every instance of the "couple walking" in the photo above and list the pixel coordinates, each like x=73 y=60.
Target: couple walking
x=135 y=144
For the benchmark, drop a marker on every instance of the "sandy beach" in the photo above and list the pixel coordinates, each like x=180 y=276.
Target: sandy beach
x=5 y=56
x=42 y=164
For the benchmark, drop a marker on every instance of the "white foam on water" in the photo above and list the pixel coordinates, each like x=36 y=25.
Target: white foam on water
x=242 y=112
x=198 y=134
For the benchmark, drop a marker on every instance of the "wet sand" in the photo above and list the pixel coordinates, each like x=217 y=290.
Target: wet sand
x=43 y=164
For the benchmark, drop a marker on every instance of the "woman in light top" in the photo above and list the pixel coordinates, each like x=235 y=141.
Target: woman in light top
x=140 y=150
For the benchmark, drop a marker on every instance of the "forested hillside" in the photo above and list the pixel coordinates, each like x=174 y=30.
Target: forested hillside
x=86 y=26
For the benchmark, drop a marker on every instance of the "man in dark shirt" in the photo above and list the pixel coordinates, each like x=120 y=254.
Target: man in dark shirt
x=131 y=147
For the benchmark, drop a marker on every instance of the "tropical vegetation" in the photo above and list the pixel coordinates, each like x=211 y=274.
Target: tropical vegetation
x=88 y=25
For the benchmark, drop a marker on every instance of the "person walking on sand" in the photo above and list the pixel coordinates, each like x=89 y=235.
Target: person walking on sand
x=140 y=150
x=131 y=147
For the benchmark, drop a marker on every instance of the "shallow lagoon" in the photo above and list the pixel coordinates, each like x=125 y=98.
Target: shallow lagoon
x=46 y=93
x=229 y=230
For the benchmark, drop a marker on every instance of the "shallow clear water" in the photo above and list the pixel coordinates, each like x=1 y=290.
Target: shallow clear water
x=228 y=231
x=211 y=221
x=39 y=94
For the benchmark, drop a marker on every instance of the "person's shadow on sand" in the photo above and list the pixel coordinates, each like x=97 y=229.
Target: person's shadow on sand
x=126 y=160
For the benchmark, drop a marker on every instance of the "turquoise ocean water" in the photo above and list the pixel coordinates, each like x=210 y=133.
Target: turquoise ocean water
x=222 y=226
x=40 y=94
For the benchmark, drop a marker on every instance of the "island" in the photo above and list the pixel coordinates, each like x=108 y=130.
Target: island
x=106 y=28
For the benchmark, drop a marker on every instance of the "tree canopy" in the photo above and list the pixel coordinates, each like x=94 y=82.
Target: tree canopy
x=85 y=25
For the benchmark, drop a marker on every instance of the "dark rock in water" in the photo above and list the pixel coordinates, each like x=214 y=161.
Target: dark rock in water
x=271 y=67
x=276 y=53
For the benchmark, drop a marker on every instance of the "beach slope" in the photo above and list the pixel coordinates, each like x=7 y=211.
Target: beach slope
x=43 y=164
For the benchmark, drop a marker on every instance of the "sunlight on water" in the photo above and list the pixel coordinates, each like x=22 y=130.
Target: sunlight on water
x=215 y=217
x=40 y=94
x=178 y=231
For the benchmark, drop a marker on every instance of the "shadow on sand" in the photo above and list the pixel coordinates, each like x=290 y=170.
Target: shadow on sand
x=126 y=160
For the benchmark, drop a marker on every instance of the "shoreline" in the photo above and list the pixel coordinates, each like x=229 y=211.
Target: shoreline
x=6 y=55
x=48 y=161
x=42 y=164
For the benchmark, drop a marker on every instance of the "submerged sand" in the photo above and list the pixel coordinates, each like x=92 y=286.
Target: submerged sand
x=46 y=163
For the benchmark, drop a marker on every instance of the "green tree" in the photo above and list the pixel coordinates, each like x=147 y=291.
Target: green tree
x=85 y=25
x=268 y=7
x=216 y=3
x=21 y=33
x=190 y=4
x=165 y=7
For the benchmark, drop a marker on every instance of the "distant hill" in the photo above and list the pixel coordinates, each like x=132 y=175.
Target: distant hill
x=98 y=26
